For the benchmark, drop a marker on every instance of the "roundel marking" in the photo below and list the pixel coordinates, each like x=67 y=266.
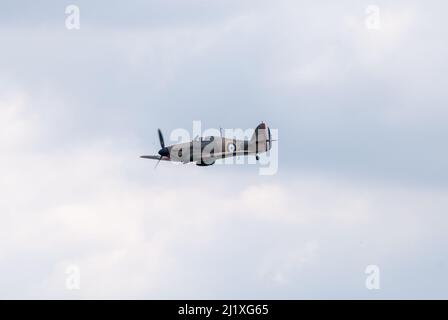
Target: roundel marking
x=231 y=147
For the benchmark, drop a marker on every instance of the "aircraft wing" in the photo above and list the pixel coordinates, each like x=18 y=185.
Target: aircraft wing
x=155 y=158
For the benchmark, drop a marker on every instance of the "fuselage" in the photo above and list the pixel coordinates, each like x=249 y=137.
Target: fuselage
x=205 y=151
x=209 y=149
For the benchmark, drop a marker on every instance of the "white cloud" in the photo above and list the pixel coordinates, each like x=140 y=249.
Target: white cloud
x=17 y=127
x=156 y=237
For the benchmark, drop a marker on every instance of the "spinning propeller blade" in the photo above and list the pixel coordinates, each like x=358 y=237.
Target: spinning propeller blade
x=162 y=142
x=158 y=161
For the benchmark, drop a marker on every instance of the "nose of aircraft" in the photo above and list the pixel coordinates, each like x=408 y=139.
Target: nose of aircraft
x=164 y=152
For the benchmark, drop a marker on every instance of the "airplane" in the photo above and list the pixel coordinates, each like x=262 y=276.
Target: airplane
x=206 y=150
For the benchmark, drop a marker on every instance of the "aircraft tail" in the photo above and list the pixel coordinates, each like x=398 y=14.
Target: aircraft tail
x=261 y=140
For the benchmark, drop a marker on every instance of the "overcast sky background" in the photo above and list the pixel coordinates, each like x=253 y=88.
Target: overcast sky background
x=363 y=164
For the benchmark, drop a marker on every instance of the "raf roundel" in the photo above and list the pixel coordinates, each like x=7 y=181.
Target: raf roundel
x=231 y=147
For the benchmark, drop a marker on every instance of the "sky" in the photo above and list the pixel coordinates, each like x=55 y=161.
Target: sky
x=362 y=177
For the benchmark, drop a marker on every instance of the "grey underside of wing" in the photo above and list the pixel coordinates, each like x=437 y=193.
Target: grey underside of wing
x=218 y=156
x=221 y=155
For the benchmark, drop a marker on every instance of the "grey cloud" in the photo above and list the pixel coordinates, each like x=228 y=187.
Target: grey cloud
x=362 y=128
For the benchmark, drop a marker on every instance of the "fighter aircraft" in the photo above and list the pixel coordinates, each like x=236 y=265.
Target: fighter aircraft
x=204 y=151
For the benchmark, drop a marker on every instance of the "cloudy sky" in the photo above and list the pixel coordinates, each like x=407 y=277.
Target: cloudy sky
x=361 y=113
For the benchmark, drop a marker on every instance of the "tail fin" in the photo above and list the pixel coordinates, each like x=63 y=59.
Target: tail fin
x=261 y=140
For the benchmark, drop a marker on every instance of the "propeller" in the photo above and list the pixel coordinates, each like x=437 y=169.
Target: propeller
x=157 y=163
x=164 y=152
x=162 y=142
